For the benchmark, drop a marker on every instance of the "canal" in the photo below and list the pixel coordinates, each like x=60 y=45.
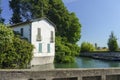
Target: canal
x=81 y=62
x=84 y=62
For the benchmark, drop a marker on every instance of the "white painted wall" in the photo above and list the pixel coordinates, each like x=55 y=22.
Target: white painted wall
x=46 y=29
x=26 y=31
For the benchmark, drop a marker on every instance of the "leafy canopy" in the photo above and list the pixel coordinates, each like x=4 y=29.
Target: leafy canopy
x=65 y=52
x=16 y=18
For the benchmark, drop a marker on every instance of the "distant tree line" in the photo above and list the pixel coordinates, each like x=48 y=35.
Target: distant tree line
x=112 y=45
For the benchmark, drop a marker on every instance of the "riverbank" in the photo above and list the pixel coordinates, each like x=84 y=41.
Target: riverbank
x=114 y=56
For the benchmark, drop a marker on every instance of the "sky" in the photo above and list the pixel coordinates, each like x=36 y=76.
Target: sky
x=97 y=17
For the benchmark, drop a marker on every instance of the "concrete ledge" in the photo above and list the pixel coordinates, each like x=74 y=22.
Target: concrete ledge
x=60 y=74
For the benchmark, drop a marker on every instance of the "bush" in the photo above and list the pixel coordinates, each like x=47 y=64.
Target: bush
x=87 y=47
x=15 y=53
x=24 y=50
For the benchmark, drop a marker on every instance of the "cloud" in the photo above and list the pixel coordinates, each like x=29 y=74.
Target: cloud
x=69 y=1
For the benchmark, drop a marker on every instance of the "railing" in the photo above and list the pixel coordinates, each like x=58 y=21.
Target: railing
x=61 y=74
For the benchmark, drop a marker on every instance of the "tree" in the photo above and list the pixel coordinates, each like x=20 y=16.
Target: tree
x=65 y=52
x=96 y=47
x=112 y=42
x=1 y=19
x=68 y=26
x=16 y=17
x=14 y=52
x=87 y=47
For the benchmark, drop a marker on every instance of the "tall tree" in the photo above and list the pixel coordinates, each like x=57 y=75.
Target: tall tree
x=16 y=16
x=112 y=42
x=1 y=19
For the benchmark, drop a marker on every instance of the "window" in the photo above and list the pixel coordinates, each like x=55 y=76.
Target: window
x=21 y=31
x=39 y=34
x=40 y=47
x=52 y=38
x=48 y=48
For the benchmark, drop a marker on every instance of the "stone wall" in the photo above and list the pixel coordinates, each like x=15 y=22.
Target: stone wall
x=61 y=74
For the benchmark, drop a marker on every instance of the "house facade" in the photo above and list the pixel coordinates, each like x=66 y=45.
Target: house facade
x=40 y=33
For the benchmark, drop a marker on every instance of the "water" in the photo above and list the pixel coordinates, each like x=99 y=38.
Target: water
x=83 y=62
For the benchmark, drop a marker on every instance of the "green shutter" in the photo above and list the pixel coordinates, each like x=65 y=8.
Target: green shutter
x=48 y=48
x=40 y=47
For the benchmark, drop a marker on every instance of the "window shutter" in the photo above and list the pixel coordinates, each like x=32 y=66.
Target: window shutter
x=40 y=47
x=39 y=34
x=52 y=38
x=48 y=48
x=21 y=31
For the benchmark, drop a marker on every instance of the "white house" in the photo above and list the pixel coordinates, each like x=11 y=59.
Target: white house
x=40 y=33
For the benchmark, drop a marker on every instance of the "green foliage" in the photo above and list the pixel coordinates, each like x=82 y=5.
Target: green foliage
x=65 y=52
x=6 y=38
x=14 y=52
x=87 y=47
x=112 y=43
x=16 y=17
x=24 y=50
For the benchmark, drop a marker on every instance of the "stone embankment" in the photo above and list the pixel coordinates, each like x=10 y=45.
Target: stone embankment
x=102 y=55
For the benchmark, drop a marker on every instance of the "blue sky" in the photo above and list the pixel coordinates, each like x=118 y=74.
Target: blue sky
x=98 y=18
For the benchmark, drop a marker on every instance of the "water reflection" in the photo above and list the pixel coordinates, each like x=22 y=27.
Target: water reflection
x=66 y=65
x=81 y=62
x=114 y=64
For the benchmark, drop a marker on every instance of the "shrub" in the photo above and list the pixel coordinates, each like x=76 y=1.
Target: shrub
x=24 y=50
x=14 y=52
x=87 y=47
